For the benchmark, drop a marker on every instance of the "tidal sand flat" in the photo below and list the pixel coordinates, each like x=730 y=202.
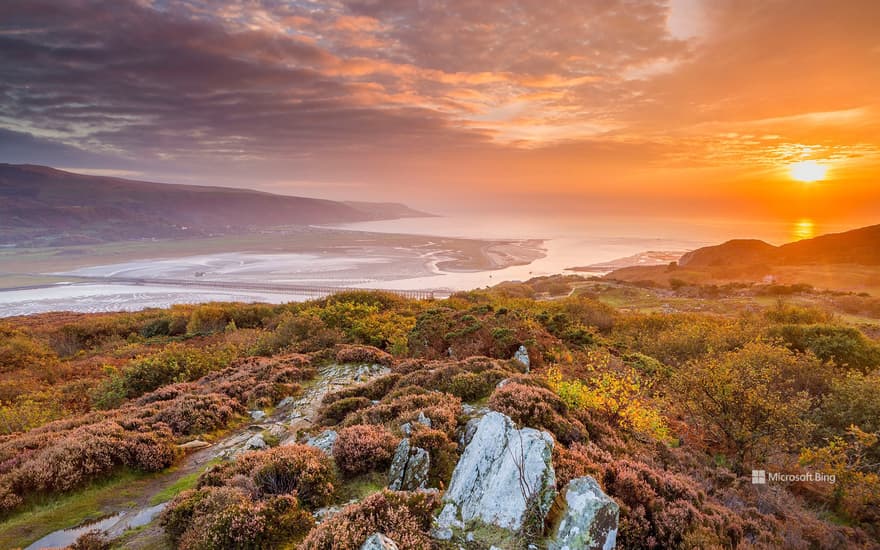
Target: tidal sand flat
x=100 y=278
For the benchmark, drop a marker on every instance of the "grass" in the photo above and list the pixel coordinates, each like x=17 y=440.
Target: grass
x=182 y=484
x=44 y=516
x=362 y=486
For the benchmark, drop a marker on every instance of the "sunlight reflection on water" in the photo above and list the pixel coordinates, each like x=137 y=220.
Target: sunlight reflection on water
x=803 y=229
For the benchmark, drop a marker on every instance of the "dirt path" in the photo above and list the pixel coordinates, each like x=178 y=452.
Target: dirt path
x=293 y=416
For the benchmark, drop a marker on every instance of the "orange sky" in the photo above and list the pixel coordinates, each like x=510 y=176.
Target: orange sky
x=589 y=106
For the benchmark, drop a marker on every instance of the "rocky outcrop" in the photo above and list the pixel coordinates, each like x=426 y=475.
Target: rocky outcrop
x=522 y=357
x=378 y=541
x=503 y=475
x=589 y=519
x=409 y=468
x=256 y=443
x=323 y=441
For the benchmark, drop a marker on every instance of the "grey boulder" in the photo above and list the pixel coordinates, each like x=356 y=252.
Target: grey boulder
x=589 y=520
x=502 y=475
x=323 y=441
x=409 y=468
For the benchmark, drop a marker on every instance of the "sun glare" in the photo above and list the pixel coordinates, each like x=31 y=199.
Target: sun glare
x=808 y=171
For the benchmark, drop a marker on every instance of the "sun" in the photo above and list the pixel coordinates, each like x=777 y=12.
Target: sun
x=808 y=171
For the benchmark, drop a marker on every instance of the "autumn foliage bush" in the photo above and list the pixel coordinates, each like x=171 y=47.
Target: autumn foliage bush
x=403 y=517
x=363 y=448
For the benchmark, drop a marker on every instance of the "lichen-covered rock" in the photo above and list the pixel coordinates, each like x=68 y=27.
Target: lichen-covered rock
x=378 y=541
x=256 y=443
x=589 y=520
x=500 y=469
x=258 y=415
x=423 y=420
x=323 y=441
x=409 y=468
x=522 y=357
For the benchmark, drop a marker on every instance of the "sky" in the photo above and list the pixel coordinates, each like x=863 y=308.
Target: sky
x=581 y=108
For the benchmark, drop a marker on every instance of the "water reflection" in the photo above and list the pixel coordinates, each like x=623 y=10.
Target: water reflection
x=803 y=229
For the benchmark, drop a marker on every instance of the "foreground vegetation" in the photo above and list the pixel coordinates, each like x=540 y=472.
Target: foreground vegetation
x=670 y=410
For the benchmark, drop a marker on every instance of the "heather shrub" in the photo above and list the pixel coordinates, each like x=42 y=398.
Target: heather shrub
x=67 y=460
x=291 y=469
x=470 y=380
x=403 y=517
x=225 y=517
x=363 y=448
x=298 y=332
x=336 y=411
x=260 y=381
x=538 y=408
x=658 y=509
x=190 y=414
x=363 y=354
x=443 y=453
x=91 y=540
x=441 y=408
x=376 y=389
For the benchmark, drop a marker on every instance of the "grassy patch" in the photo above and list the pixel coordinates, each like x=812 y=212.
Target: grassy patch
x=182 y=484
x=46 y=515
x=362 y=486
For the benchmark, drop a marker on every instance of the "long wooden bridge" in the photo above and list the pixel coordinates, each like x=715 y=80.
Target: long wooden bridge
x=307 y=291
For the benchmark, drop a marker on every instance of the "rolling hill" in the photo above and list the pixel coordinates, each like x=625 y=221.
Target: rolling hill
x=848 y=261
x=42 y=205
x=859 y=246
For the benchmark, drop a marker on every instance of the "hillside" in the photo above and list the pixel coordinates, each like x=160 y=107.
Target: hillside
x=848 y=261
x=859 y=246
x=41 y=205
x=474 y=422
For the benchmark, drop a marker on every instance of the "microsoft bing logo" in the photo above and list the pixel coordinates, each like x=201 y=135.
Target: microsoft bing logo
x=759 y=477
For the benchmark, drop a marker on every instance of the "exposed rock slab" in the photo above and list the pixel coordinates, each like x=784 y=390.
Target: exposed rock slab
x=589 y=520
x=323 y=441
x=500 y=469
x=409 y=468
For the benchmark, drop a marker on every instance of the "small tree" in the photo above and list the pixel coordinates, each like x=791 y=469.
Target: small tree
x=745 y=401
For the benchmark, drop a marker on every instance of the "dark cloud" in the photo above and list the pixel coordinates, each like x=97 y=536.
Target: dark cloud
x=522 y=95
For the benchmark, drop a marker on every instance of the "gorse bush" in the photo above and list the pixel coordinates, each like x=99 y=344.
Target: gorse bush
x=843 y=346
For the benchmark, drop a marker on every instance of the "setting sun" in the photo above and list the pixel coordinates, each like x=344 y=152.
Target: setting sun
x=808 y=171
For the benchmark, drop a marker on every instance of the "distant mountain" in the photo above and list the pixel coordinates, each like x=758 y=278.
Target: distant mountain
x=42 y=205
x=859 y=246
